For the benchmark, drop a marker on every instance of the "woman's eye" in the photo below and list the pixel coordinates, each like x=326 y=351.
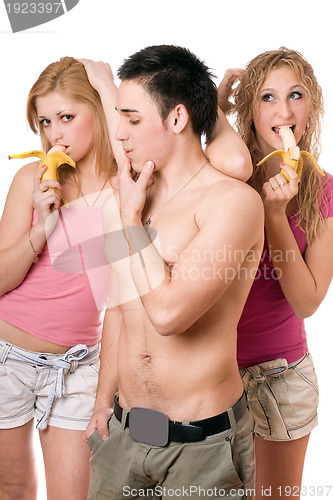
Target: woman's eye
x=267 y=98
x=295 y=95
x=134 y=122
x=67 y=118
x=45 y=122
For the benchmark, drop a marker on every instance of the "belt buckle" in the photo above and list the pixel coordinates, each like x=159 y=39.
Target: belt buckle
x=148 y=426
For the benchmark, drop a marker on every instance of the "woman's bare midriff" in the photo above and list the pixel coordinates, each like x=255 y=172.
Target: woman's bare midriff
x=19 y=338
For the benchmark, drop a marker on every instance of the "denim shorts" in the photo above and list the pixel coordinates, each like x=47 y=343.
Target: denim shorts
x=283 y=398
x=59 y=389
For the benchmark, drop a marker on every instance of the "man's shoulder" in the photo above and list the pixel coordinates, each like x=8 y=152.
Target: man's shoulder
x=233 y=192
x=230 y=203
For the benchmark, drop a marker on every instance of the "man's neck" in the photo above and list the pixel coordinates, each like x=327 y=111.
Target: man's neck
x=179 y=169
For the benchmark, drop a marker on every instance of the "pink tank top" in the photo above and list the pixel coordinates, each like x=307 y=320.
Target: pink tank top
x=268 y=328
x=63 y=297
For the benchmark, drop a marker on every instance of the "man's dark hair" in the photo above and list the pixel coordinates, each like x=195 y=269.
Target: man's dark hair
x=173 y=75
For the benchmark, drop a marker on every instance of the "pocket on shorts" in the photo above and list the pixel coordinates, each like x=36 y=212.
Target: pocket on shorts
x=242 y=450
x=232 y=465
x=89 y=372
x=306 y=393
x=306 y=371
x=94 y=442
x=216 y=453
x=94 y=366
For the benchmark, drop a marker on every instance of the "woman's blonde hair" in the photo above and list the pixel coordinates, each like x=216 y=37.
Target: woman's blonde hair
x=247 y=99
x=69 y=76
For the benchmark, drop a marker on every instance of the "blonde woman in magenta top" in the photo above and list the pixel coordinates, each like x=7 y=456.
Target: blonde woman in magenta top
x=51 y=310
x=279 y=88
x=54 y=290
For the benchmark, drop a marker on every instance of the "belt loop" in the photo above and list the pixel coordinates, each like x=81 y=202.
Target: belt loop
x=232 y=420
x=4 y=354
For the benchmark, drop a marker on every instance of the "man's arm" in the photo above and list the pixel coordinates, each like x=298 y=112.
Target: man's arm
x=230 y=223
x=107 y=380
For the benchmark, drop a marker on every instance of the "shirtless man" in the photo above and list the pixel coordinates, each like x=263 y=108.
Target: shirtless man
x=173 y=336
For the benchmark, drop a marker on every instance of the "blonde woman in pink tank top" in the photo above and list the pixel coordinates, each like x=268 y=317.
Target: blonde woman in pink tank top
x=53 y=287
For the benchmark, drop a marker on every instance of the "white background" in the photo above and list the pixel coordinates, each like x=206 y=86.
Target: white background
x=223 y=33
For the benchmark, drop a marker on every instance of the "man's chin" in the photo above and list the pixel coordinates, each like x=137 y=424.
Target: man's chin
x=137 y=167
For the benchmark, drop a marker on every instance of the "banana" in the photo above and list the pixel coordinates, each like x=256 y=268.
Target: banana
x=53 y=159
x=291 y=155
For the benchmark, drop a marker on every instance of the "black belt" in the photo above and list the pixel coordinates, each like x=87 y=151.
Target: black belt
x=152 y=427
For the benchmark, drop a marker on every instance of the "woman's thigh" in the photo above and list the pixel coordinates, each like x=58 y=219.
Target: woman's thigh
x=18 y=476
x=66 y=456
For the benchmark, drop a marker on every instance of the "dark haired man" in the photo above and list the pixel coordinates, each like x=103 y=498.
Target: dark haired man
x=180 y=421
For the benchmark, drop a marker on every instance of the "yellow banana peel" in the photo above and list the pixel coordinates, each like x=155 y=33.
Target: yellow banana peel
x=53 y=159
x=291 y=155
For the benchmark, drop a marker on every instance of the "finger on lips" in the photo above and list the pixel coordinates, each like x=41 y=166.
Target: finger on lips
x=125 y=169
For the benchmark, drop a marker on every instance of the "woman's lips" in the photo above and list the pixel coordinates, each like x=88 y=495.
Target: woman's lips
x=276 y=130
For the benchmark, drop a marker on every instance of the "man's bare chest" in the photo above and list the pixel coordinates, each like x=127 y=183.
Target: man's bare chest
x=172 y=233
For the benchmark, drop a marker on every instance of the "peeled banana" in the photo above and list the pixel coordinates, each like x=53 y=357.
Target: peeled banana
x=291 y=155
x=53 y=159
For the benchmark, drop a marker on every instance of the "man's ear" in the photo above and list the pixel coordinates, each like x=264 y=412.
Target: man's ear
x=179 y=118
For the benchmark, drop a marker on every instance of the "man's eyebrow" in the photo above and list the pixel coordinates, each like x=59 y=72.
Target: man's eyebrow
x=128 y=110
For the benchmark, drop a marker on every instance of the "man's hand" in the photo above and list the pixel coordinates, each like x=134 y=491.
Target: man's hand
x=99 y=421
x=132 y=193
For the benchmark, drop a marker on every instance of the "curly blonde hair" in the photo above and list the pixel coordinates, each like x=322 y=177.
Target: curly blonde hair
x=310 y=195
x=69 y=77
